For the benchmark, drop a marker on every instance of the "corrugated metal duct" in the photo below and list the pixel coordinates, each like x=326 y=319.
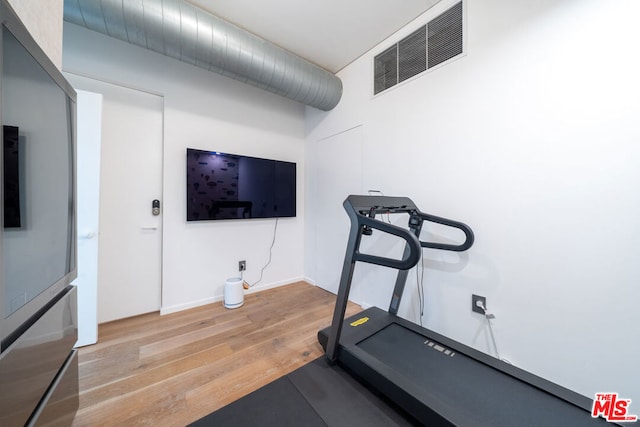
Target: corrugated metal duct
x=185 y=32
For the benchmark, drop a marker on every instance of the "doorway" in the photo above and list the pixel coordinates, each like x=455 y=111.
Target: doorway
x=335 y=173
x=129 y=278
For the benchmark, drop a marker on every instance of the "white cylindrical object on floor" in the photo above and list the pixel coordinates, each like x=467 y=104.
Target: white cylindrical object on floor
x=233 y=293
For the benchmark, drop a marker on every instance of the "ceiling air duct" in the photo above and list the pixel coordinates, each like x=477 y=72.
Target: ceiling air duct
x=185 y=32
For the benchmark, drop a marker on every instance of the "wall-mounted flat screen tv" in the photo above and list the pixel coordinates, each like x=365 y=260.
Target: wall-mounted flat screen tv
x=231 y=186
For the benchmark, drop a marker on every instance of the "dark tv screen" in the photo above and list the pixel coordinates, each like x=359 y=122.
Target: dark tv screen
x=11 y=177
x=231 y=186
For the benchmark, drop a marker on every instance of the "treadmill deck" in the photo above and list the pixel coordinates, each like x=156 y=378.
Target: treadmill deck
x=443 y=382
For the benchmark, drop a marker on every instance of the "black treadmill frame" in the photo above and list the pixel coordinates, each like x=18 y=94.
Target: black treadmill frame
x=362 y=211
x=343 y=347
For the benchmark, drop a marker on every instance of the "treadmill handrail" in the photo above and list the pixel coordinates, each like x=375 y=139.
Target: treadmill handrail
x=363 y=206
x=361 y=211
x=413 y=244
x=468 y=233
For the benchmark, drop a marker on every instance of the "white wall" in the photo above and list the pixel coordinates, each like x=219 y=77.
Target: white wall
x=43 y=19
x=532 y=139
x=207 y=111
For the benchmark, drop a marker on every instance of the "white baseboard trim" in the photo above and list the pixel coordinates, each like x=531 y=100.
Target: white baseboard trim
x=220 y=297
x=309 y=280
x=186 y=306
x=266 y=286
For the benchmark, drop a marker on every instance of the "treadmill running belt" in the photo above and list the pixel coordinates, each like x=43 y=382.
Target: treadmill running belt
x=475 y=394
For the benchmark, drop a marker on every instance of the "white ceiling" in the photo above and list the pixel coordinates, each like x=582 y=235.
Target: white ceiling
x=329 y=33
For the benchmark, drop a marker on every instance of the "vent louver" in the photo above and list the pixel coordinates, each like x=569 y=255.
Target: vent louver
x=412 y=55
x=386 y=74
x=438 y=41
x=445 y=36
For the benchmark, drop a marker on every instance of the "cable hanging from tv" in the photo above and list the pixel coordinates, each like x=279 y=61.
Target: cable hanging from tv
x=248 y=285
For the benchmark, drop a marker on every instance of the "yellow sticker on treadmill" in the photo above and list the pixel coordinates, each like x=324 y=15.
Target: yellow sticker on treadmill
x=360 y=321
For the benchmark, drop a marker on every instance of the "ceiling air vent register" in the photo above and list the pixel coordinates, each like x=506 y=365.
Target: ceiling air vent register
x=436 y=42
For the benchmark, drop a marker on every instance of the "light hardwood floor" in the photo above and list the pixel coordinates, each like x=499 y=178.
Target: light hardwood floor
x=172 y=370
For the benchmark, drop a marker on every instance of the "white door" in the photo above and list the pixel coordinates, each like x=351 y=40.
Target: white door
x=130 y=244
x=335 y=174
x=88 y=165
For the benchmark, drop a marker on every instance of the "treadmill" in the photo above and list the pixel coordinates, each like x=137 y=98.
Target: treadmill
x=437 y=380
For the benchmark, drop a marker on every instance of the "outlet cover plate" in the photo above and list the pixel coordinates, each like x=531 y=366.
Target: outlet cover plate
x=474 y=307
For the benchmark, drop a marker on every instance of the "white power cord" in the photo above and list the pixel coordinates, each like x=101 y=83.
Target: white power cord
x=490 y=316
x=420 y=286
x=248 y=285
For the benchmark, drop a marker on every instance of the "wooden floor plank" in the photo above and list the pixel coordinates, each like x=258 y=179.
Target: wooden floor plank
x=172 y=370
